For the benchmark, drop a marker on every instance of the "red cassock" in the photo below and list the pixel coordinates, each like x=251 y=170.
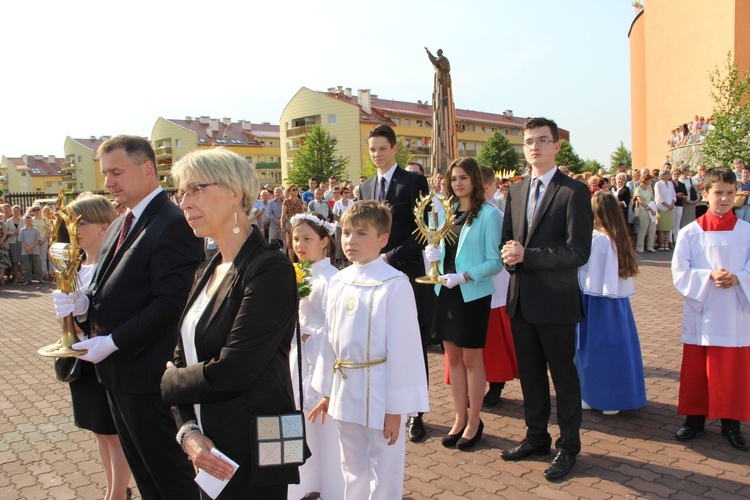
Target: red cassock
x=499 y=354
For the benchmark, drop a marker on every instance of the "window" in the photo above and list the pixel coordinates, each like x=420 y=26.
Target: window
x=331 y=119
x=249 y=159
x=202 y=140
x=79 y=158
x=178 y=143
x=407 y=122
x=419 y=123
x=397 y=121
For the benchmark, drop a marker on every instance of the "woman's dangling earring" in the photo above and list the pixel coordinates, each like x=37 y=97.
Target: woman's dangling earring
x=236 y=228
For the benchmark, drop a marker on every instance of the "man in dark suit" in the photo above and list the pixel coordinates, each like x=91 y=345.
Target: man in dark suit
x=147 y=264
x=400 y=189
x=546 y=238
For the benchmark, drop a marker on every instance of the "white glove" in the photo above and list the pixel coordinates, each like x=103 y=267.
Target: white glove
x=66 y=303
x=431 y=253
x=453 y=280
x=99 y=348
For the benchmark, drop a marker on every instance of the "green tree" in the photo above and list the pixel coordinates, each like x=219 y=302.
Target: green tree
x=317 y=158
x=620 y=155
x=403 y=157
x=731 y=115
x=568 y=157
x=591 y=165
x=498 y=154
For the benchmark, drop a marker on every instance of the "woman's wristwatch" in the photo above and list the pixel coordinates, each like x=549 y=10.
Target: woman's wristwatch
x=467 y=277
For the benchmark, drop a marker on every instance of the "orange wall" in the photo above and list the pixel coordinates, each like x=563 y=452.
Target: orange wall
x=682 y=42
x=638 y=91
x=742 y=34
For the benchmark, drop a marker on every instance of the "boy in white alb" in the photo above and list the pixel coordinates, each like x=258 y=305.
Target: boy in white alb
x=371 y=369
x=711 y=270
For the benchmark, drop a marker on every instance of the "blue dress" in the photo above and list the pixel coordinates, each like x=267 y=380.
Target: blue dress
x=608 y=352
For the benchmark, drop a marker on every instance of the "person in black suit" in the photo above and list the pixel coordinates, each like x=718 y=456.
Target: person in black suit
x=147 y=262
x=232 y=358
x=546 y=238
x=623 y=194
x=400 y=189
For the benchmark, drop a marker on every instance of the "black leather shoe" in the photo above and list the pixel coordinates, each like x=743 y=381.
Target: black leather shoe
x=465 y=444
x=415 y=429
x=560 y=466
x=450 y=440
x=737 y=440
x=687 y=432
x=523 y=450
x=492 y=398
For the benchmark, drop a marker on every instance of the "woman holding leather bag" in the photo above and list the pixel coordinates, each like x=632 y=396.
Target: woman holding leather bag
x=90 y=406
x=231 y=363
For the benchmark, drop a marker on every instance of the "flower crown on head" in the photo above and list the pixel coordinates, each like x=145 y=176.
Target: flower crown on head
x=329 y=228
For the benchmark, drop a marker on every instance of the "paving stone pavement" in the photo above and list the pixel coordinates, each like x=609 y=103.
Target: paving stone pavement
x=629 y=455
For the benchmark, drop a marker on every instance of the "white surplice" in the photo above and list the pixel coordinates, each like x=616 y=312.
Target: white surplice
x=713 y=316
x=371 y=316
x=600 y=275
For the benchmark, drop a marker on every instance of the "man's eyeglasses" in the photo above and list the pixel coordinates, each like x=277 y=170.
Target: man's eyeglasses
x=542 y=141
x=193 y=190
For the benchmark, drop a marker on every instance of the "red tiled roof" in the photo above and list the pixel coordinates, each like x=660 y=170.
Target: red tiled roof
x=92 y=144
x=381 y=108
x=231 y=132
x=40 y=166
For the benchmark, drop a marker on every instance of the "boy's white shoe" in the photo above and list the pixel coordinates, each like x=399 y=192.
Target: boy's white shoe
x=585 y=405
x=610 y=412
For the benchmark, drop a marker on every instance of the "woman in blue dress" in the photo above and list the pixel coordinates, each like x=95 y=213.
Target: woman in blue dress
x=608 y=354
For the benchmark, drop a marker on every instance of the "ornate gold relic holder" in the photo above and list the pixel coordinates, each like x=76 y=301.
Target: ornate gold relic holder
x=430 y=233
x=65 y=256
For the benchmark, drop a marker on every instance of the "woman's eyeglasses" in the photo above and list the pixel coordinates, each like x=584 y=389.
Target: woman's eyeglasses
x=193 y=190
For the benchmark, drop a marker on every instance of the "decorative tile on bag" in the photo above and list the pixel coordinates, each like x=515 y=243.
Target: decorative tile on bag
x=281 y=439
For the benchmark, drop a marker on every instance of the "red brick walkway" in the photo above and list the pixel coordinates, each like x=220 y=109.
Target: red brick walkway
x=633 y=454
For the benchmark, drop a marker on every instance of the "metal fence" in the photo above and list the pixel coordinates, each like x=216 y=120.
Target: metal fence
x=25 y=200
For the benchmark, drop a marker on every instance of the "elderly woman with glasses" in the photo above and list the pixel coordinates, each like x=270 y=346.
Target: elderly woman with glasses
x=232 y=356
x=291 y=206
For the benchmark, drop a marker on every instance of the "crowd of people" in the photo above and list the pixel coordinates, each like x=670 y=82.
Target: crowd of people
x=691 y=132
x=192 y=310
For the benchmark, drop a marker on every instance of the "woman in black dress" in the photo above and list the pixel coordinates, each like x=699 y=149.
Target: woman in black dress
x=90 y=407
x=462 y=309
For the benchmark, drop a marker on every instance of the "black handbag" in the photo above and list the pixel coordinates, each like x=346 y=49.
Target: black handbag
x=68 y=369
x=281 y=438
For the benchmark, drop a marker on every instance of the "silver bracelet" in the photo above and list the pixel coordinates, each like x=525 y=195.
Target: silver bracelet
x=185 y=431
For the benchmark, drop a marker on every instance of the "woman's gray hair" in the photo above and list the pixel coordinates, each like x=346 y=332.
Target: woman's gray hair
x=222 y=166
x=621 y=175
x=665 y=173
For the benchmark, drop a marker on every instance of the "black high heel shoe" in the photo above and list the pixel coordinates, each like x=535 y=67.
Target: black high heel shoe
x=465 y=444
x=450 y=440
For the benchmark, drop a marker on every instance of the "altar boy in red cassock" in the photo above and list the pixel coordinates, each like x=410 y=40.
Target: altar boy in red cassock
x=711 y=270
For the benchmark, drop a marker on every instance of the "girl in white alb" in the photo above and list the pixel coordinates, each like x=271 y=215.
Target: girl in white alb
x=312 y=241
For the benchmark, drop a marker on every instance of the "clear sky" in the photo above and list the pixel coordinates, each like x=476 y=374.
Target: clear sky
x=84 y=68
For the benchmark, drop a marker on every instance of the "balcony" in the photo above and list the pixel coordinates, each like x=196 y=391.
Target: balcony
x=68 y=165
x=467 y=152
x=163 y=151
x=69 y=177
x=267 y=165
x=298 y=131
x=420 y=150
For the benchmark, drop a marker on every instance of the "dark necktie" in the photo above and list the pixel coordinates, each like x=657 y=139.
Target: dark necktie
x=381 y=194
x=125 y=229
x=532 y=202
